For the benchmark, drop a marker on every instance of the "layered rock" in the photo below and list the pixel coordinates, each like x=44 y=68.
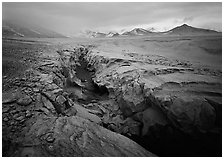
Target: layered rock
x=75 y=136
x=41 y=118
x=159 y=95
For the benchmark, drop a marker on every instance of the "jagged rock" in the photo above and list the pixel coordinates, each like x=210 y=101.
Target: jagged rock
x=114 y=123
x=20 y=118
x=57 y=91
x=5 y=109
x=51 y=87
x=5 y=119
x=83 y=112
x=104 y=111
x=218 y=109
x=77 y=81
x=108 y=105
x=45 y=110
x=70 y=112
x=60 y=99
x=38 y=103
x=75 y=136
x=190 y=115
x=151 y=117
x=90 y=105
x=24 y=101
x=46 y=78
x=96 y=112
x=106 y=118
x=50 y=137
x=14 y=111
x=78 y=94
x=50 y=95
x=36 y=90
x=130 y=127
x=118 y=119
x=28 y=114
x=48 y=104
x=132 y=99
x=10 y=97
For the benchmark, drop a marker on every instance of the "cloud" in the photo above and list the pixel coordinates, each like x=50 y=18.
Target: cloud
x=188 y=19
x=70 y=18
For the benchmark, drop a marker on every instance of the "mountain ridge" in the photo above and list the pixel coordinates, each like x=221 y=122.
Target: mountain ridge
x=12 y=30
x=186 y=29
x=183 y=29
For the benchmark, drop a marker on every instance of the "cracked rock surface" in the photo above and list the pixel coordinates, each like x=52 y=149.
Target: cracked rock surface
x=42 y=115
x=97 y=100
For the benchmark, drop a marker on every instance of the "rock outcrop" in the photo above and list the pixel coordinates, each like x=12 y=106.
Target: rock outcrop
x=42 y=115
x=84 y=102
x=163 y=95
x=75 y=136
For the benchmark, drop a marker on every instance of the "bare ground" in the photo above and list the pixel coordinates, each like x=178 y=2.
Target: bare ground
x=181 y=67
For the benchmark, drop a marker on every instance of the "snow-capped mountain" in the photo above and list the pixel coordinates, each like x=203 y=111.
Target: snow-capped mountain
x=180 y=30
x=137 y=31
x=112 y=34
x=189 y=30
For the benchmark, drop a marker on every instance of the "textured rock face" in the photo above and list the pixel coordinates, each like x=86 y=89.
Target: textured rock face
x=150 y=117
x=64 y=105
x=192 y=115
x=179 y=91
x=163 y=99
x=75 y=136
x=43 y=116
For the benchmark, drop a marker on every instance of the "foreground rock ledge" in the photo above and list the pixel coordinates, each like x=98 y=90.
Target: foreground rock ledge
x=75 y=136
x=55 y=111
x=40 y=119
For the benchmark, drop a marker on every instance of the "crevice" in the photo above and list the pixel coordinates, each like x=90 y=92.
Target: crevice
x=163 y=140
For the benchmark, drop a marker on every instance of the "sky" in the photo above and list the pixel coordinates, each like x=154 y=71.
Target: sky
x=71 y=18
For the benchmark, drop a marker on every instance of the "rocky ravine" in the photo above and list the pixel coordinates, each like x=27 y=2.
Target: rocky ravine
x=42 y=115
x=78 y=102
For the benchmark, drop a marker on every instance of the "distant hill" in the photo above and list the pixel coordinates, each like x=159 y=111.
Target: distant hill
x=180 y=30
x=137 y=31
x=14 y=30
x=112 y=34
x=189 y=30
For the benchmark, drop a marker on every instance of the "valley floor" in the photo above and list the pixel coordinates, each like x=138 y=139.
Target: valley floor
x=140 y=96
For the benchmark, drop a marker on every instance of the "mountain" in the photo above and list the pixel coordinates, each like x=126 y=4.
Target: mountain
x=152 y=29
x=137 y=31
x=13 y=30
x=180 y=30
x=112 y=34
x=189 y=30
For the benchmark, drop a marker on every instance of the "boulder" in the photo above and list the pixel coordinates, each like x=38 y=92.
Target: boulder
x=132 y=99
x=130 y=127
x=10 y=97
x=151 y=117
x=191 y=115
x=71 y=111
x=60 y=99
x=48 y=104
x=84 y=113
x=24 y=101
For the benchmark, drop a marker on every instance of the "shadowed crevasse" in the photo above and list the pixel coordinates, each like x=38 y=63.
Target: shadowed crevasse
x=163 y=140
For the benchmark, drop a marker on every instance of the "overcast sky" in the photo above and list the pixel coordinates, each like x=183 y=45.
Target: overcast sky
x=71 y=18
